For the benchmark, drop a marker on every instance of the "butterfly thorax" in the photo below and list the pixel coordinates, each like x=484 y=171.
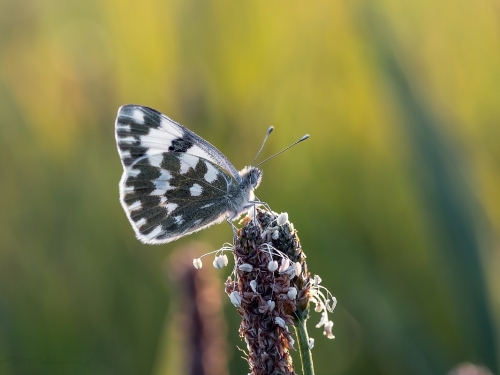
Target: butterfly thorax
x=240 y=196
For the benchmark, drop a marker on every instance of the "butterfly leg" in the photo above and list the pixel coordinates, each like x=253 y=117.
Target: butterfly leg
x=232 y=227
x=254 y=205
x=257 y=203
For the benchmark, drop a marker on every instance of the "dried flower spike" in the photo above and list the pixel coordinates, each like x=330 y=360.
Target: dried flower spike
x=271 y=288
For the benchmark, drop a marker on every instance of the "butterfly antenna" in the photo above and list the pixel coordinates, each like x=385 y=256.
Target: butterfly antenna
x=269 y=131
x=282 y=151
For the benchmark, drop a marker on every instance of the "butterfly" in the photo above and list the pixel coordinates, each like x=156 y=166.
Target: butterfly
x=174 y=182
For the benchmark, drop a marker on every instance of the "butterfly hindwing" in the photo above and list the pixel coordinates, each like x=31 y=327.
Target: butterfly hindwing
x=173 y=194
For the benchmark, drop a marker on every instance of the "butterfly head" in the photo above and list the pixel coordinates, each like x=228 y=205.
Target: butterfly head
x=250 y=177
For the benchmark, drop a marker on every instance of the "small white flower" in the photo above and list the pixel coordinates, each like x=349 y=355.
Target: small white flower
x=197 y=263
x=292 y=293
x=282 y=218
x=328 y=330
x=275 y=235
x=285 y=263
x=331 y=307
x=272 y=265
x=220 y=261
x=280 y=321
x=291 y=271
x=317 y=280
x=311 y=343
x=334 y=303
x=319 y=306
x=245 y=267
x=298 y=268
x=271 y=305
x=235 y=298
x=315 y=292
x=323 y=320
x=253 y=285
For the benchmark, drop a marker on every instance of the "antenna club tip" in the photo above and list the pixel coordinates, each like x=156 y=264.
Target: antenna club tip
x=304 y=138
x=270 y=130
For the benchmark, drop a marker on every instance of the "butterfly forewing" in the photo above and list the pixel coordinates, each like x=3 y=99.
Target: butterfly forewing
x=144 y=131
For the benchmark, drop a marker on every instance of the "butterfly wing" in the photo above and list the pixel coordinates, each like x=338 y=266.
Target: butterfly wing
x=174 y=182
x=144 y=131
x=172 y=194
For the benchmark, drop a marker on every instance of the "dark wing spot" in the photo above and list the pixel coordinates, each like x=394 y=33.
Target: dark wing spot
x=171 y=163
x=180 y=145
x=152 y=118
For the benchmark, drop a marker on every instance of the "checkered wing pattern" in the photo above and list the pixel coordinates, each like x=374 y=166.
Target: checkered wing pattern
x=174 y=182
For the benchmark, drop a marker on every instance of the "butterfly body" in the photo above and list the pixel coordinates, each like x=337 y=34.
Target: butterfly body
x=174 y=182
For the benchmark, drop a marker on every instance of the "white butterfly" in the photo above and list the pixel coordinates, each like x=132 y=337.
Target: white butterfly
x=174 y=182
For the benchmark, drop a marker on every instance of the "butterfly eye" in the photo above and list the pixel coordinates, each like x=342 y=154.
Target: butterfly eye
x=254 y=177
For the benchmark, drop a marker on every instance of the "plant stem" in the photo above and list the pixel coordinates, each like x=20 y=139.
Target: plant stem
x=305 y=352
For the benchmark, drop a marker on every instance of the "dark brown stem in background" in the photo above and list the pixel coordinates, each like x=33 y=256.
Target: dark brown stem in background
x=200 y=314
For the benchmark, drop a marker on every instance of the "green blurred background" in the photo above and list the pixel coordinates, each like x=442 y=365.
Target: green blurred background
x=395 y=195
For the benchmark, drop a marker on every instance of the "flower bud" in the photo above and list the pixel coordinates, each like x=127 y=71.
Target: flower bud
x=245 y=267
x=253 y=285
x=280 y=321
x=282 y=218
x=292 y=293
x=235 y=298
x=298 y=268
x=285 y=263
x=311 y=343
x=220 y=261
x=197 y=263
x=272 y=265
x=275 y=235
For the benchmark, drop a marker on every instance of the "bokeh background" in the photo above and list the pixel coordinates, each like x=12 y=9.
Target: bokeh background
x=395 y=195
